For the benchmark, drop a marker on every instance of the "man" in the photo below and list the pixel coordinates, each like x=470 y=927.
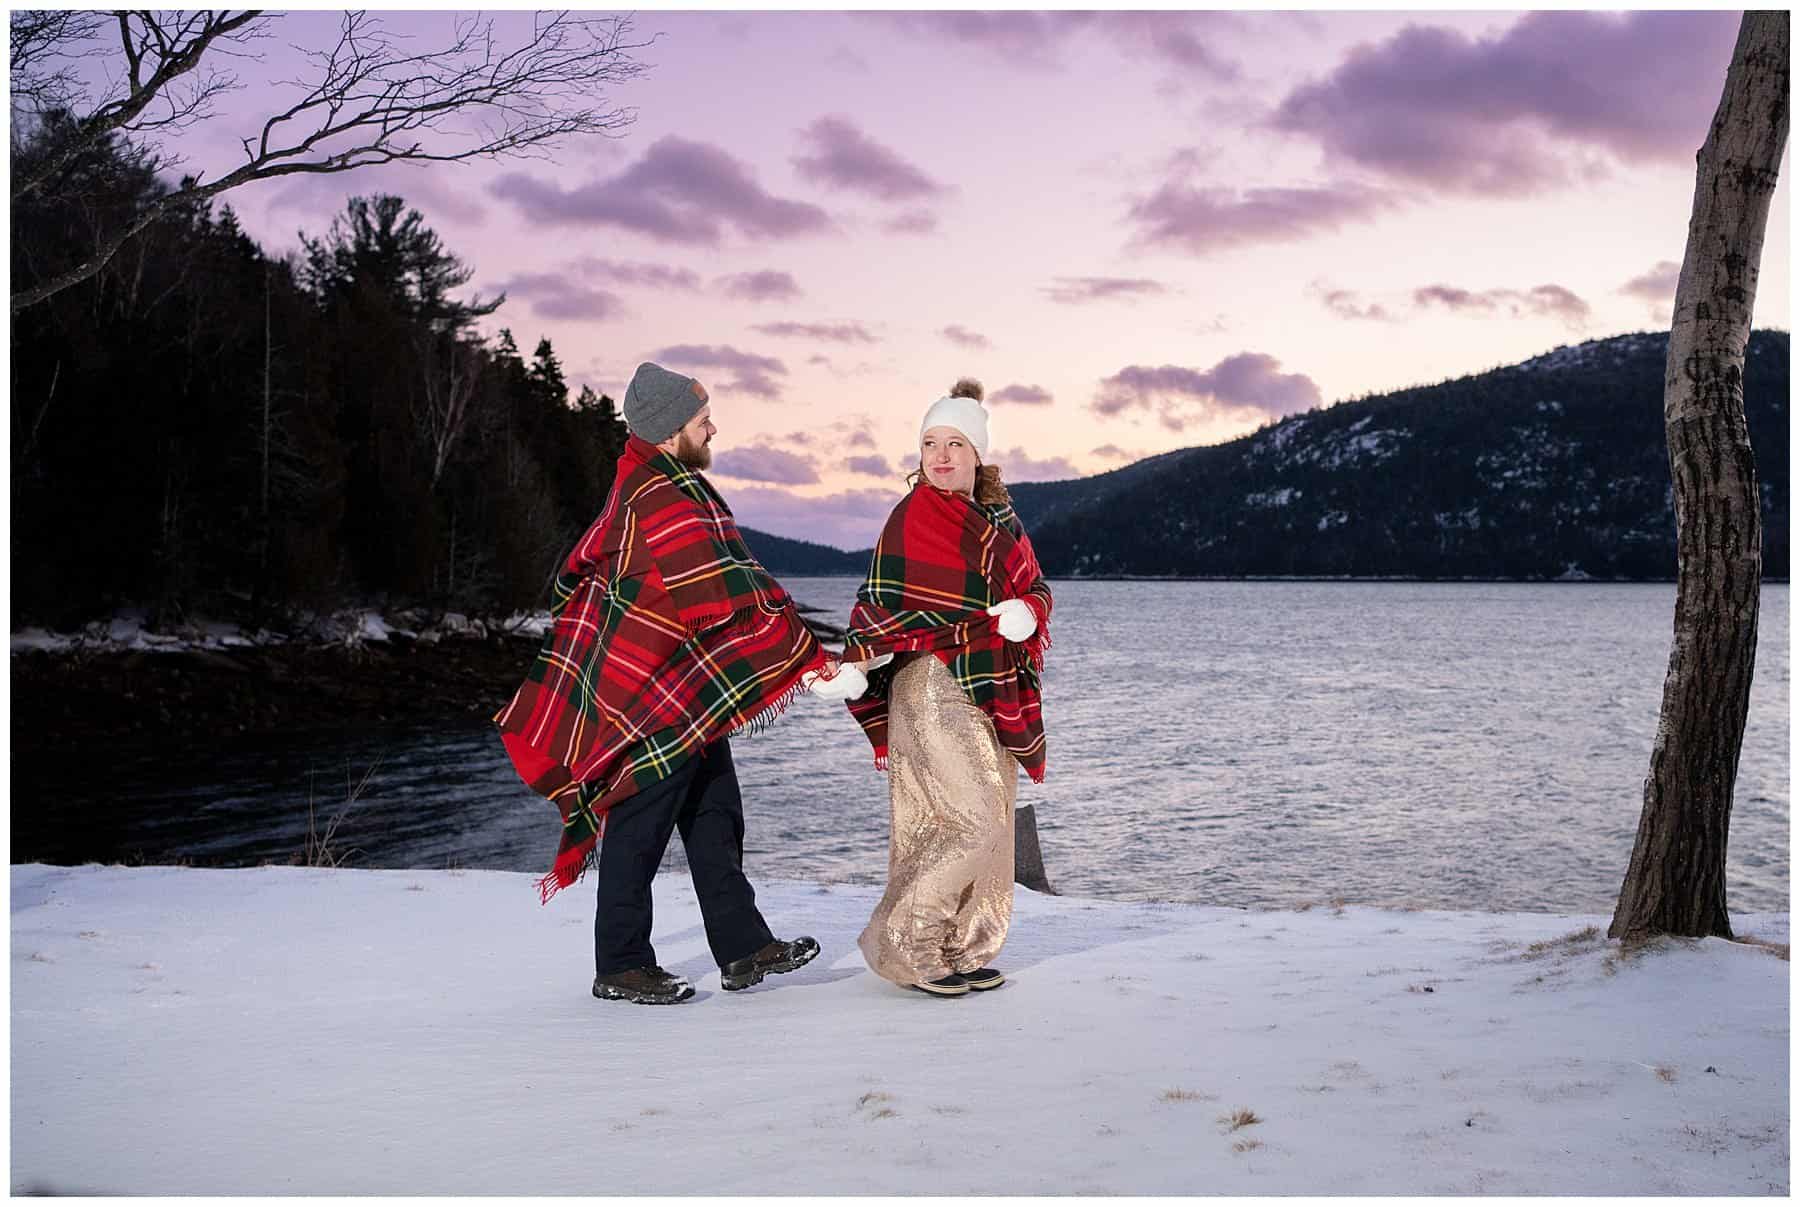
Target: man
x=668 y=636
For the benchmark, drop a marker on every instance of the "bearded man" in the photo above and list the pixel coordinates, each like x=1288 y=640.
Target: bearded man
x=668 y=636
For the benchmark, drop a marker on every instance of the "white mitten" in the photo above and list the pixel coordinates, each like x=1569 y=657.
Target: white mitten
x=1014 y=618
x=848 y=684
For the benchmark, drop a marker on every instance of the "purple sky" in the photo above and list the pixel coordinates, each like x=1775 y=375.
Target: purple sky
x=1141 y=230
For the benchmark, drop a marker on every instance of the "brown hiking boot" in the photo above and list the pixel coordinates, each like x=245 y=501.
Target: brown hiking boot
x=778 y=956
x=647 y=986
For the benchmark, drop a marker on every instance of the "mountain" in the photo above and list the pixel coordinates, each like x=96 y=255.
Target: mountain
x=1550 y=469
x=779 y=555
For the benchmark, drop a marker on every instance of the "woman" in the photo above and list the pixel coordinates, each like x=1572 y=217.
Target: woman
x=949 y=629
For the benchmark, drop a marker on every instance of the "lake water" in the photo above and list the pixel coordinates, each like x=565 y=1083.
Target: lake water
x=1472 y=746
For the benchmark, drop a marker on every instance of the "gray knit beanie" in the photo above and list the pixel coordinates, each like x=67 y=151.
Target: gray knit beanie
x=659 y=403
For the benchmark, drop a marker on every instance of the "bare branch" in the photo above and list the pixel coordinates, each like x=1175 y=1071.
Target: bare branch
x=367 y=100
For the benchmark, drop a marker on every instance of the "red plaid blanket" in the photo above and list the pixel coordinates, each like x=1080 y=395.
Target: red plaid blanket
x=667 y=636
x=941 y=560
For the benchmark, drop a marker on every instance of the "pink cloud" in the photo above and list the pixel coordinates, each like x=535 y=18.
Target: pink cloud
x=1029 y=395
x=1113 y=452
x=836 y=333
x=765 y=285
x=912 y=222
x=1200 y=220
x=655 y=276
x=1508 y=115
x=1073 y=290
x=1348 y=304
x=555 y=295
x=963 y=337
x=875 y=466
x=1245 y=387
x=843 y=157
x=751 y=374
x=1544 y=301
x=1656 y=288
x=1047 y=39
x=681 y=191
x=760 y=463
x=1018 y=466
x=327 y=194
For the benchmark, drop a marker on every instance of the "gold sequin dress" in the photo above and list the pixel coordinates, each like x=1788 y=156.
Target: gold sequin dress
x=950 y=848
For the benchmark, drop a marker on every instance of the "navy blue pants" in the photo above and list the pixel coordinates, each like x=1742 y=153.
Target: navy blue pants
x=700 y=799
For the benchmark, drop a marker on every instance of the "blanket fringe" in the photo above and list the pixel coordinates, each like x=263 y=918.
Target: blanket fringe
x=569 y=867
x=770 y=714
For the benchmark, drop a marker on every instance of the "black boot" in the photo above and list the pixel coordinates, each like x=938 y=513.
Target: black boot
x=647 y=986
x=778 y=956
x=983 y=979
x=945 y=986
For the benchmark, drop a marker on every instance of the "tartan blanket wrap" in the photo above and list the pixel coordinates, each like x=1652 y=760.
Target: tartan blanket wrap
x=666 y=635
x=941 y=560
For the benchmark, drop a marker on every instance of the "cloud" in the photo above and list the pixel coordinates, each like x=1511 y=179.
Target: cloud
x=1348 y=304
x=1113 y=452
x=1522 y=111
x=681 y=191
x=965 y=338
x=1200 y=220
x=1027 y=38
x=1074 y=290
x=760 y=463
x=843 y=157
x=836 y=333
x=329 y=192
x=1247 y=387
x=912 y=222
x=875 y=466
x=1656 y=288
x=765 y=285
x=1016 y=466
x=862 y=439
x=1030 y=395
x=554 y=295
x=751 y=374
x=655 y=276
x=847 y=519
x=1544 y=301
x=1039 y=39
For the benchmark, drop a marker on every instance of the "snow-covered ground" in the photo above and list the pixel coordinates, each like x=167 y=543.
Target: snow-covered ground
x=289 y=1031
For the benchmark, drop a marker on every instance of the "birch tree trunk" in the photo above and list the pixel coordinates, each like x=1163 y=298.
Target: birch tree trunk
x=1676 y=880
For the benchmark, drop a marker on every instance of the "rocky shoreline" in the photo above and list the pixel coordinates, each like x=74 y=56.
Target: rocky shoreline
x=71 y=700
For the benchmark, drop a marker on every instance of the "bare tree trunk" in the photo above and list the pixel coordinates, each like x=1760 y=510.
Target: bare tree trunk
x=1676 y=881
x=1028 y=857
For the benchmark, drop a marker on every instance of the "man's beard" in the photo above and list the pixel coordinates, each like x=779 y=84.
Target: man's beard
x=697 y=453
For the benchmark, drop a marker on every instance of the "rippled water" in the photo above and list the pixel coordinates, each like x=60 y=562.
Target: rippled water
x=1476 y=746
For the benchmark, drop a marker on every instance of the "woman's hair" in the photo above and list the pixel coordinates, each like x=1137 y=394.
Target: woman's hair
x=988 y=488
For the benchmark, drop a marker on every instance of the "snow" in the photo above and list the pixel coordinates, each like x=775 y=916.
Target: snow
x=348 y=626
x=1271 y=498
x=299 y=1031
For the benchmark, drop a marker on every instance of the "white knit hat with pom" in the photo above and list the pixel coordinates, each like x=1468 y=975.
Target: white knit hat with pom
x=966 y=415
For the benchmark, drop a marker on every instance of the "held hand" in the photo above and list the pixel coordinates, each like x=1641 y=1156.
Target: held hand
x=848 y=684
x=1014 y=619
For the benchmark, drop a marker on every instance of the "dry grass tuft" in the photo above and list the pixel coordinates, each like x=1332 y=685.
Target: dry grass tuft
x=1778 y=950
x=1665 y=1073
x=1572 y=941
x=1243 y=1116
x=1246 y=1145
x=1181 y=1095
